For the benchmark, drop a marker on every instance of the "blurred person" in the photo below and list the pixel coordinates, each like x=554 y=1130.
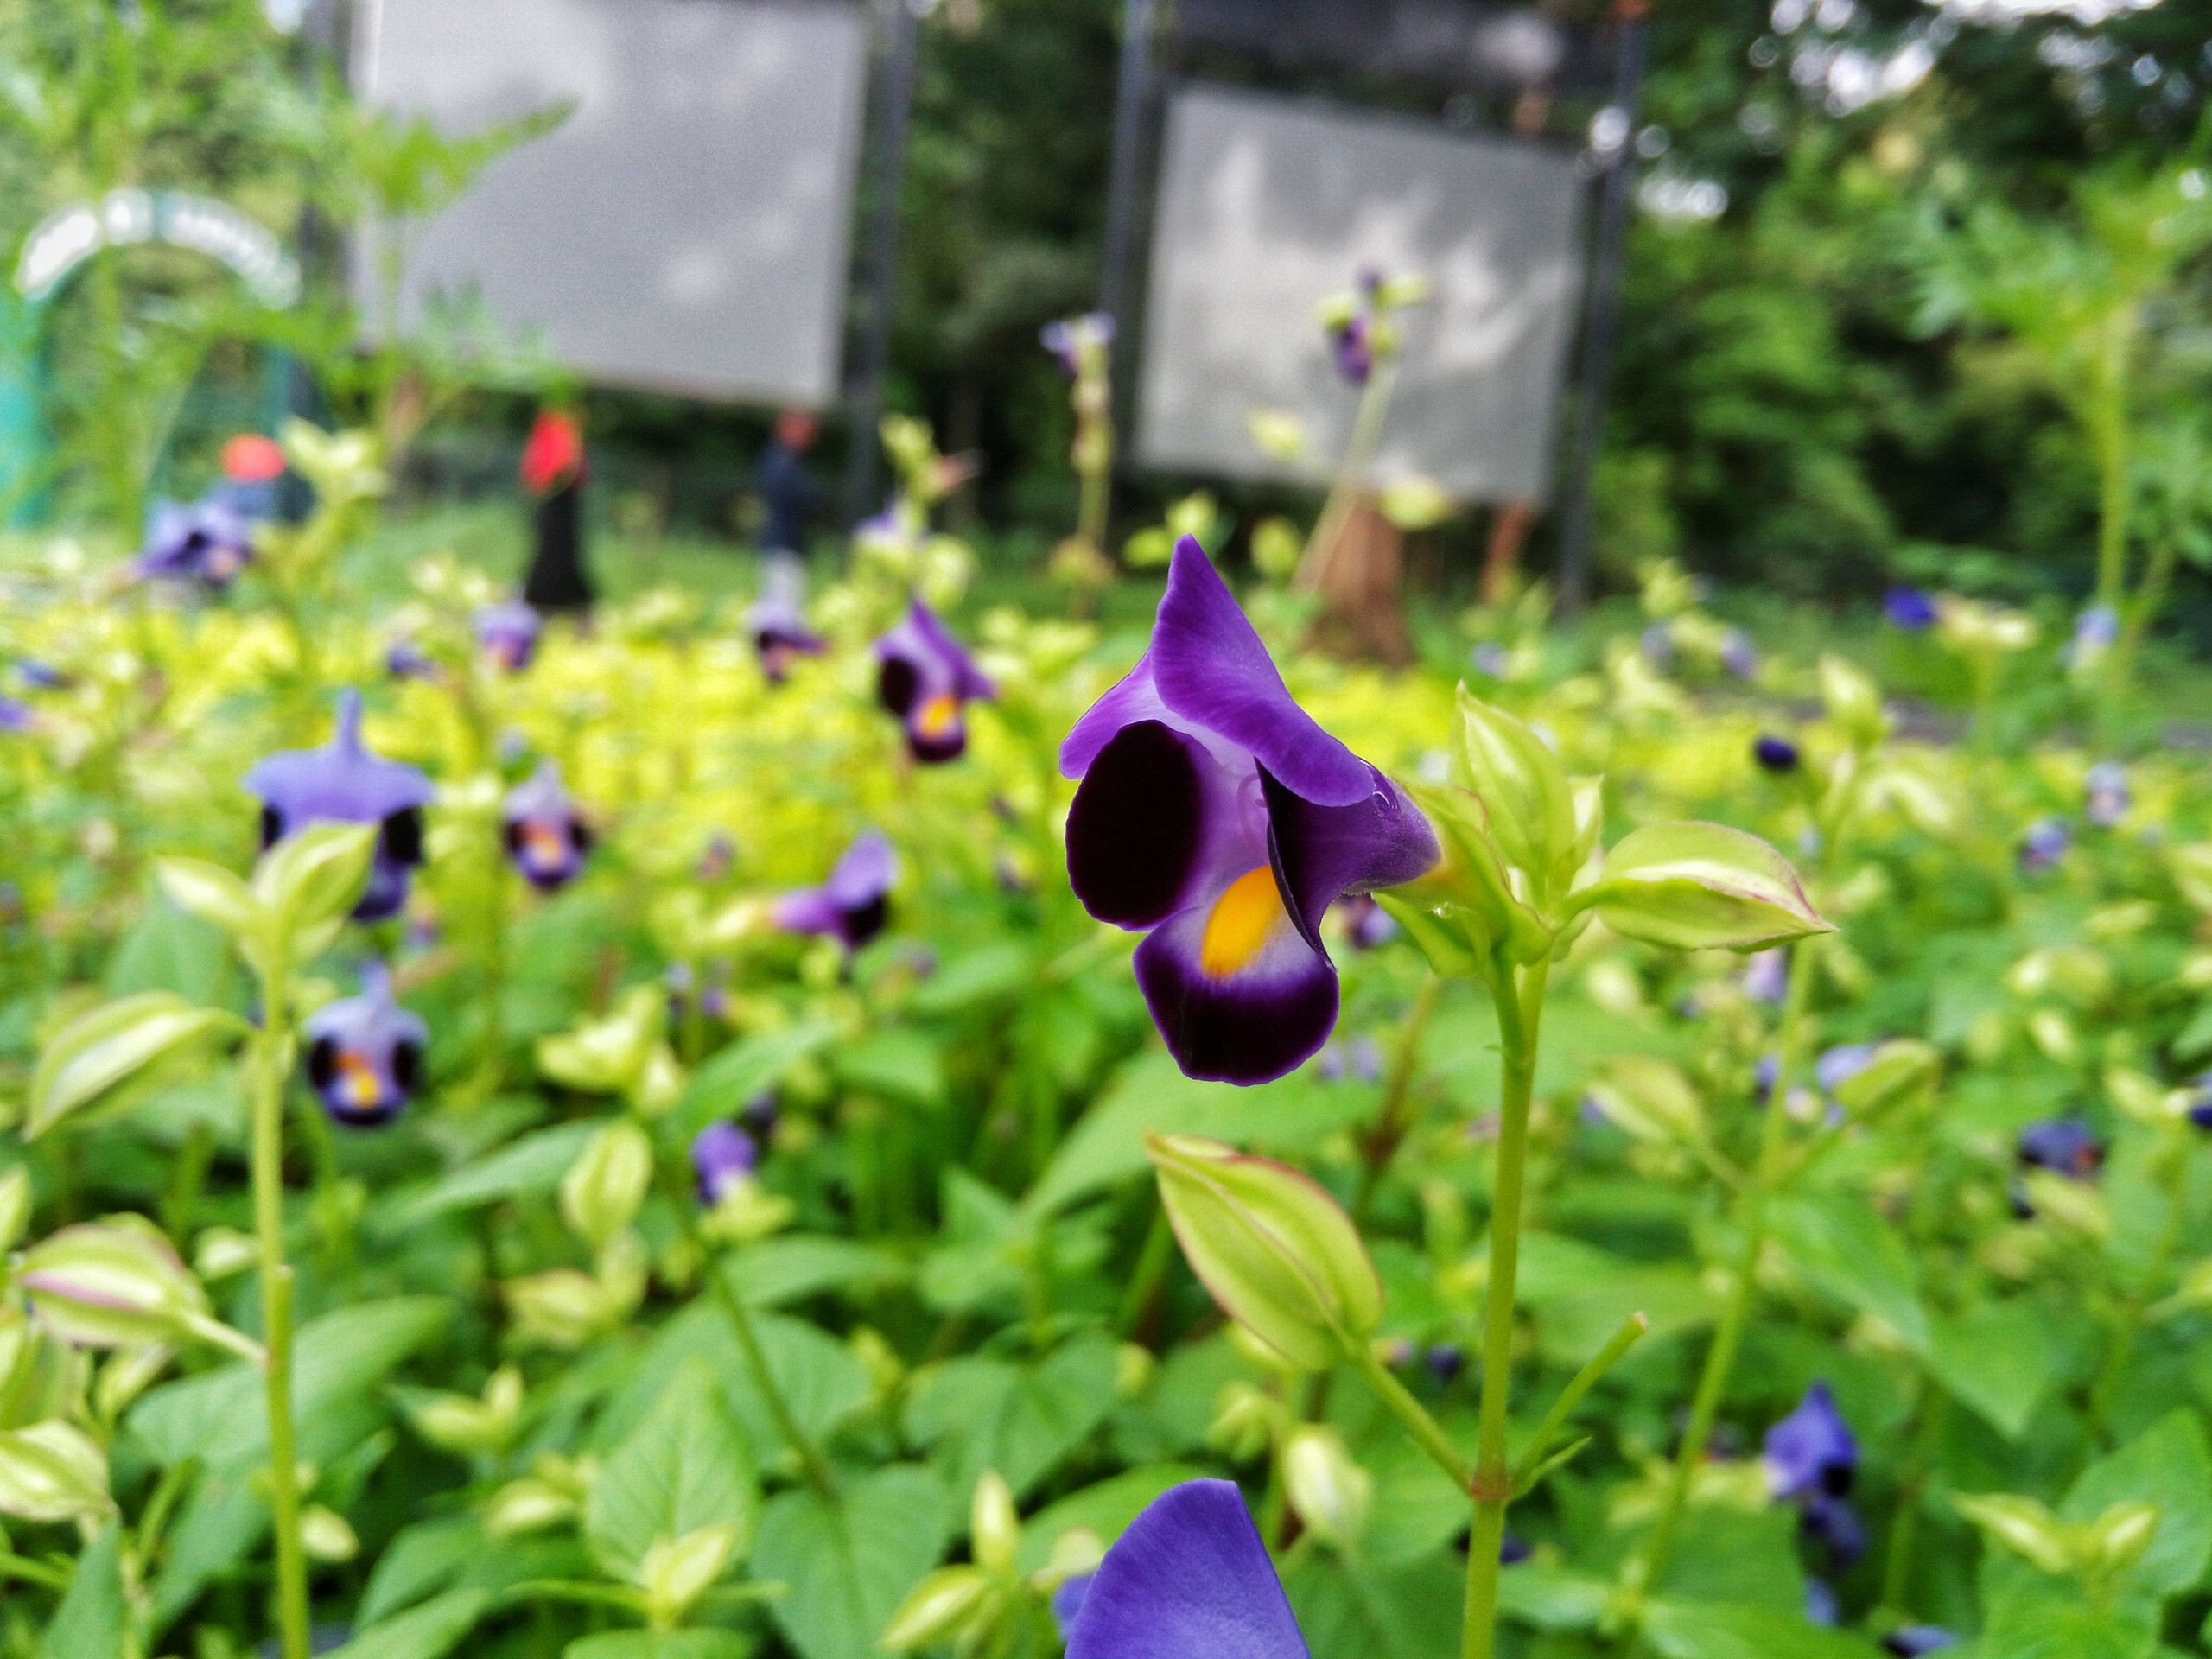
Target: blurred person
x=553 y=470
x=790 y=496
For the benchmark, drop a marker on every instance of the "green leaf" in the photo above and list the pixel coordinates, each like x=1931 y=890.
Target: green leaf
x=995 y=973
x=212 y=894
x=1551 y=1597
x=684 y=1467
x=792 y=1266
x=897 y=1062
x=1694 y=1630
x=420 y=1561
x=724 y=1085
x=107 y=1046
x=2043 y=1631
x=339 y=1359
x=430 y=1631
x=1352 y=1607
x=314 y=876
x=979 y=1414
x=819 y=1378
x=850 y=1563
x=659 y=1644
x=1844 y=1246
x=92 y=1620
x=2168 y=1466
x=1996 y=1360
x=532 y=1165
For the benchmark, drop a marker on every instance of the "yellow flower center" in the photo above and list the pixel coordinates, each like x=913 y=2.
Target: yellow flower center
x=547 y=844
x=357 y=1079
x=1242 y=922
x=939 y=714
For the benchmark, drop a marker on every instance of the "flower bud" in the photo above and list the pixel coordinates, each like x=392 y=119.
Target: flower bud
x=1276 y=1251
x=52 y=1471
x=1649 y=1099
x=1898 y=1069
x=220 y=1252
x=326 y=1535
x=950 y=1603
x=1525 y=789
x=1134 y=1366
x=674 y=1573
x=602 y=1191
x=2116 y=1540
x=993 y=1524
x=1696 y=886
x=561 y=1308
x=114 y=1284
x=528 y=1505
x=14 y=1207
x=2022 y=1525
x=128 y=1374
x=1245 y=1420
x=1853 y=702
x=1329 y=1492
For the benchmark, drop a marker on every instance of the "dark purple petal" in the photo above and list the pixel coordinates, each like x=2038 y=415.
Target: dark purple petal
x=807 y=911
x=206 y=541
x=1834 y=1524
x=1210 y=667
x=364 y=1053
x=1188 y=1579
x=1777 y=754
x=1910 y=609
x=1237 y=993
x=2062 y=1145
x=547 y=837
x=854 y=904
x=1067 y=1602
x=1917 y=1641
x=1812 y=1451
x=1322 y=853
x=1157 y=821
x=508 y=633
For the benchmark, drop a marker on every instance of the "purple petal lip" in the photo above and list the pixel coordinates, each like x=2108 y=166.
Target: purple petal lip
x=1321 y=854
x=854 y=904
x=1208 y=673
x=206 y=541
x=1812 y=1451
x=508 y=633
x=925 y=678
x=1188 y=1579
x=1259 y=1024
x=547 y=837
x=2062 y=1145
x=364 y=1053
x=343 y=781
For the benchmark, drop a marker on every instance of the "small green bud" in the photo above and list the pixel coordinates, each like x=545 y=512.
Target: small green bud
x=326 y=1535
x=1900 y=1067
x=2022 y=1525
x=1276 y=1251
x=608 y=1057
x=1245 y=1421
x=128 y=1374
x=993 y=1524
x=1134 y=1366
x=603 y=1189
x=560 y=1309
x=675 y=1574
x=114 y=1284
x=1329 y=1491
x=53 y=1471
x=1698 y=887
x=220 y=1252
x=1853 y=702
x=1529 y=799
x=2116 y=1540
x=951 y=1602
x=528 y=1505
x=1651 y=1099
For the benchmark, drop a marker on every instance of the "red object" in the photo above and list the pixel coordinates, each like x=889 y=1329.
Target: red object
x=249 y=458
x=554 y=455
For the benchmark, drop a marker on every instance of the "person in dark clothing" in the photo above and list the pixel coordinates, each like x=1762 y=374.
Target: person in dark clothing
x=553 y=470
x=789 y=494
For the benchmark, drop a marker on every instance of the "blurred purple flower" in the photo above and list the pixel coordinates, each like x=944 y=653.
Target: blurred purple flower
x=1444 y=1360
x=777 y=620
x=854 y=904
x=343 y=783
x=2095 y=632
x=364 y=1053
x=927 y=679
x=1738 y=654
x=1766 y=975
x=1811 y=1451
x=723 y=1155
x=1845 y=1061
x=1067 y=1602
x=405 y=660
x=1776 y=754
x=1066 y=340
x=17 y=716
x=2109 y=798
x=207 y=542
x=1909 y=608
x=1491 y=658
x=41 y=676
x=1917 y=1641
x=1820 y=1606
x=1367 y=924
x=2044 y=844
x=1658 y=645
x=509 y=634
x=546 y=836
x=2062 y=1145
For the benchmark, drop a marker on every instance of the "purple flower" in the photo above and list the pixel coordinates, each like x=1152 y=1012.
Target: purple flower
x=1512 y=1551
x=1914 y=1641
x=405 y=660
x=2200 y=1102
x=1444 y=1360
x=777 y=620
x=854 y=904
x=1821 y=1606
x=207 y=542
x=1066 y=340
x=715 y=858
x=1214 y=815
x=1351 y=347
x=1835 y=1526
x=41 y=676
x=1738 y=654
x=1811 y=1452
x=1491 y=658
x=1190 y=1578
x=547 y=837
x=1658 y=645
x=1766 y=976
x=927 y=680
x=1776 y=754
x=723 y=1155
x=2062 y=1145
x=17 y=716
x=1909 y=608
x=343 y=783
x=2095 y=632
x=364 y=1053
x=2108 y=795
x=2044 y=845
x=508 y=633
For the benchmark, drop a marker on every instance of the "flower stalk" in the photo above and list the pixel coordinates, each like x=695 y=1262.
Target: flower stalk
x=817 y=1467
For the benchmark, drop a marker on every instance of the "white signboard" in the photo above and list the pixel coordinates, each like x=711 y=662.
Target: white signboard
x=686 y=229
x=1269 y=206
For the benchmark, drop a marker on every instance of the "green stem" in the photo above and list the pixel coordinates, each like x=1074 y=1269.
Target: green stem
x=1343 y=493
x=1152 y=1267
x=2109 y=434
x=1410 y=1411
x=16 y=1566
x=1631 y=1332
x=1395 y=1119
x=818 y=1474
x=1721 y=1359
x=1520 y=1012
x=1897 y=1565
x=273 y=1068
